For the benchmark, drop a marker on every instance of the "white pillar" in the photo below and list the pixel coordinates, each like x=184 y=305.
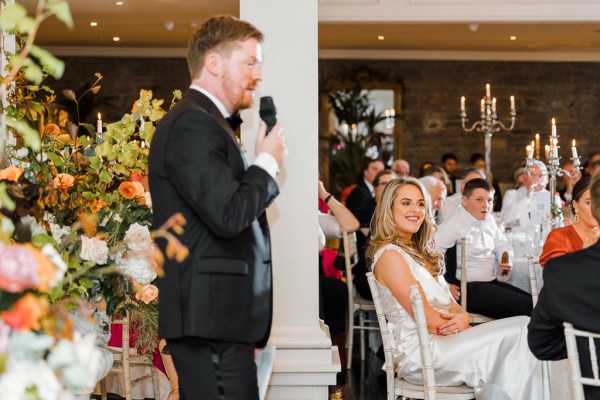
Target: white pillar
x=305 y=363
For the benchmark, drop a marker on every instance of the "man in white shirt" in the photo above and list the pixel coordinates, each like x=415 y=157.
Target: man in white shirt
x=452 y=202
x=486 y=244
x=515 y=205
x=437 y=191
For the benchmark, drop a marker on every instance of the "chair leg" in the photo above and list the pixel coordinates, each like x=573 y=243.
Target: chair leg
x=155 y=383
x=103 y=395
x=350 y=342
x=361 y=323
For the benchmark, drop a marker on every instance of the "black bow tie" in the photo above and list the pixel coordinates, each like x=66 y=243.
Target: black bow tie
x=234 y=121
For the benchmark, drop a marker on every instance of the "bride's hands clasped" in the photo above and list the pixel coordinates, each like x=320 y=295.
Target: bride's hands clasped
x=455 y=322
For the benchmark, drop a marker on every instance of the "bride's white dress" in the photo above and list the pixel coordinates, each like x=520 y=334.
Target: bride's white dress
x=493 y=358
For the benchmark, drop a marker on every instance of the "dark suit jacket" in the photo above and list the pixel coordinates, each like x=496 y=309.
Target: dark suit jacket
x=222 y=291
x=362 y=204
x=571 y=293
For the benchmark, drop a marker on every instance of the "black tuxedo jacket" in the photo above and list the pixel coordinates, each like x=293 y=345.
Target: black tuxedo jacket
x=571 y=293
x=362 y=204
x=222 y=290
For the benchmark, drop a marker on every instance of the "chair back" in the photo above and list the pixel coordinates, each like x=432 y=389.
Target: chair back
x=385 y=335
x=533 y=280
x=125 y=359
x=351 y=259
x=463 y=272
x=577 y=381
x=425 y=347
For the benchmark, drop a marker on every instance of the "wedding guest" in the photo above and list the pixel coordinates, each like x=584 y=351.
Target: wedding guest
x=594 y=162
x=449 y=163
x=570 y=294
x=451 y=203
x=519 y=177
x=478 y=161
x=581 y=233
x=380 y=182
x=486 y=244
x=362 y=204
x=333 y=293
x=424 y=167
x=515 y=207
x=215 y=307
x=492 y=358
x=401 y=168
x=569 y=180
x=437 y=192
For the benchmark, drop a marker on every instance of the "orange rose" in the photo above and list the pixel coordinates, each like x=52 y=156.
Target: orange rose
x=11 y=173
x=46 y=271
x=97 y=204
x=147 y=293
x=26 y=313
x=64 y=181
x=51 y=130
x=130 y=190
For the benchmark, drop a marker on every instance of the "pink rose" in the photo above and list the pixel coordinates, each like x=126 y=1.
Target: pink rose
x=18 y=269
x=147 y=293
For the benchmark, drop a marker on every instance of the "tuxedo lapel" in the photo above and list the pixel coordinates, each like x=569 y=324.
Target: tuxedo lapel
x=210 y=108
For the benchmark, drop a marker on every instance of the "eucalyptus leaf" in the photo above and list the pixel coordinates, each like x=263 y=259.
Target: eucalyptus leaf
x=42 y=239
x=53 y=65
x=5 y=200
x=11 y=16
x=31 y=137
x=105 y=177
x=69 y=94
x=56 y=159
x=60 y=8
x=95 y=162
x=72 y=130
x=33 y=72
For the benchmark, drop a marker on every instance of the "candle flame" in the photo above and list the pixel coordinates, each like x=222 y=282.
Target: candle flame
x=573 y=143
x=512 y=98
x=99 y=116
x=553 y=121
x=537 y=136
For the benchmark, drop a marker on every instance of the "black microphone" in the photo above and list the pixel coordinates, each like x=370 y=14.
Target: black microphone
x=268 y=112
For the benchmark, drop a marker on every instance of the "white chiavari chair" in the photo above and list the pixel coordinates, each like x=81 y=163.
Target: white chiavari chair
x=356 y=304
x=577 y=381
x=125 y=359
x=398 y=387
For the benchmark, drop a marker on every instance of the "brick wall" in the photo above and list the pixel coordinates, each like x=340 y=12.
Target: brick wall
x=431 y=90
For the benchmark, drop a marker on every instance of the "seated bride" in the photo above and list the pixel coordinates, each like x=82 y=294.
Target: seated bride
x=493 y=358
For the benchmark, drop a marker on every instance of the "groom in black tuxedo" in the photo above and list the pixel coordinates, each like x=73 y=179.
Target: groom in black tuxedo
x=215 y=307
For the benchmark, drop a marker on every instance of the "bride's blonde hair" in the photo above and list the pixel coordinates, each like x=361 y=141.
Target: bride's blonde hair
x=384 y=230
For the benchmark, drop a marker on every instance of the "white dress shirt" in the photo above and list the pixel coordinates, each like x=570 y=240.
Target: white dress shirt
x=263 y=160
x=515 y=207
x=329 y=228
x=485 y=241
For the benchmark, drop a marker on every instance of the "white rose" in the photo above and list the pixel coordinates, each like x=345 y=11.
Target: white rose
x=94 y=249
x=35 y=228
x=78 y=361
x=59 y=232
x=137 y=238
x=61 y=267
x=22 y=375
x=137 y=268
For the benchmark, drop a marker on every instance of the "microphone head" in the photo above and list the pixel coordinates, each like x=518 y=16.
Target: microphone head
x=267 y=111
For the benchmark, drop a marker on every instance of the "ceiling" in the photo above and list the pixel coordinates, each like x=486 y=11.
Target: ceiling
x=169 y=24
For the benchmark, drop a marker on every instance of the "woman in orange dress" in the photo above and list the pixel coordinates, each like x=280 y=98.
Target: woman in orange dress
x=582 y=233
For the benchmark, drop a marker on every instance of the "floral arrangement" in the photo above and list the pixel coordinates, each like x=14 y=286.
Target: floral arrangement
x=85 y=196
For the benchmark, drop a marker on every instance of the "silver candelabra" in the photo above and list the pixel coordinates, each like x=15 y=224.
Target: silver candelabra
x=488 y=124
x=553 y=163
